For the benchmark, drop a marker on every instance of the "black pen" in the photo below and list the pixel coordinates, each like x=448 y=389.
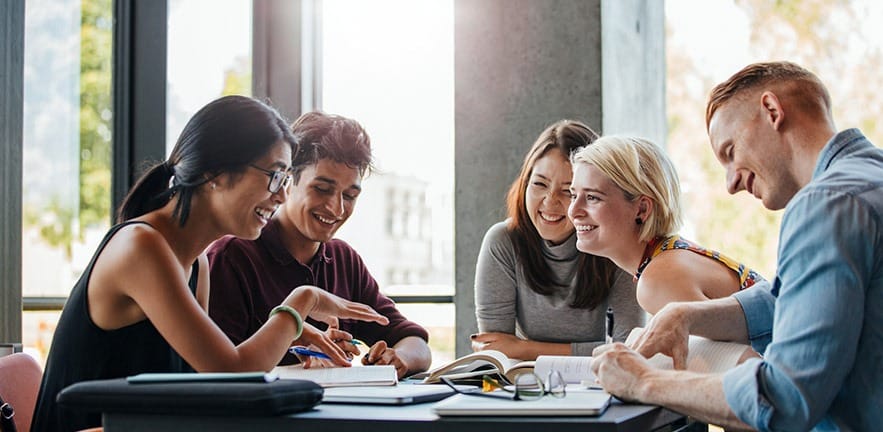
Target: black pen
x=608 y=326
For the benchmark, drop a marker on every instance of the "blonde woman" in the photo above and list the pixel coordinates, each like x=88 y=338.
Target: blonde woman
x=625 y=206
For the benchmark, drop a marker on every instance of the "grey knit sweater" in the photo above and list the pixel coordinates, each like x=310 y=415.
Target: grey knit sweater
x=504 y=302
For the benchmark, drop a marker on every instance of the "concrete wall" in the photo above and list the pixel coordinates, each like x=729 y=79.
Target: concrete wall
x=633 y=68
x=521 y=65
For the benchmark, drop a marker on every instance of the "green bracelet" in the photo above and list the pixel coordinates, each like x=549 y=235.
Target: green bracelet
x=297 y=319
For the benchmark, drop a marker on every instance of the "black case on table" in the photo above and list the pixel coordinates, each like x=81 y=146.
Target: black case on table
x=196 y=398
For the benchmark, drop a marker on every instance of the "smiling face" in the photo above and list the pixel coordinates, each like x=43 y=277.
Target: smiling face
x=753 y=153
x=319 y=203
x=547 y=196
x=244 y=201
x=604 y=219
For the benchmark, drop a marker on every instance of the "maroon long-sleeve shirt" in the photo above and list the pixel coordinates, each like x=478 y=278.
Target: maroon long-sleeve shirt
x=250 y=277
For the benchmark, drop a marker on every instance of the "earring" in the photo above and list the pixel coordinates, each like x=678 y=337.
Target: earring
x=639 y=221
x=214 y=185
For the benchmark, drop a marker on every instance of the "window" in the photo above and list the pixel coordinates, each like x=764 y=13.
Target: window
x=389 y=65
x=832 y=39
x=67 y=133
x=207 y=63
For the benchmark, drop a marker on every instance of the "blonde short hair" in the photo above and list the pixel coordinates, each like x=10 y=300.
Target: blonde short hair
x=639 y=167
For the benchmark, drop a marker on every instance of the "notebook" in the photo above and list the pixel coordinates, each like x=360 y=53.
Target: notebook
x=402 y=394
x=583 y=403
x=374 y=375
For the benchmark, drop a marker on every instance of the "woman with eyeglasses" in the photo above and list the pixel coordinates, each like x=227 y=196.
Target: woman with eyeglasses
x=535 y=293
x=140 y=304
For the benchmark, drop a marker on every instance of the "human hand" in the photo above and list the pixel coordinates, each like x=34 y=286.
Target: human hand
x=311 y=362
x=326 y=307
x=324 y=342
x=620 y=370
x=668 y=332
x=506 y=343
x=381 y=354
x=344 y=340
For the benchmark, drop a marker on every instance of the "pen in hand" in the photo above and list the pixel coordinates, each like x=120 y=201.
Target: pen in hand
x=608 y=326
x=299 y=350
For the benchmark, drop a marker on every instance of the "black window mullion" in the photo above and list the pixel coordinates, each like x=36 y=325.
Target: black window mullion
x=139 y=90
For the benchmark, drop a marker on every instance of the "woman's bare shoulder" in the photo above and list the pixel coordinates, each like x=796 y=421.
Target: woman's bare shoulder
x=670 y=276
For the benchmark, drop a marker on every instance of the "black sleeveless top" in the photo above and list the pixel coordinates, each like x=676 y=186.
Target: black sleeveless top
x=82 y=351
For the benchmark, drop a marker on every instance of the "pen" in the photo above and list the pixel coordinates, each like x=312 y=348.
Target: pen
x=308 y=352
x=608 y=326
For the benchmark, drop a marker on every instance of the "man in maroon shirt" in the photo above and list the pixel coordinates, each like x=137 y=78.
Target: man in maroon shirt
x=250 y=277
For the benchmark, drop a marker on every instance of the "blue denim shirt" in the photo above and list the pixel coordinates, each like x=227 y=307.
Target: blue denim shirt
x=820 y=326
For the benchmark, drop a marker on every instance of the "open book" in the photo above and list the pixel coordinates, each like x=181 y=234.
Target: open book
x=487 y=362
x=705 y=355
x=574 y=369
x=374 y=375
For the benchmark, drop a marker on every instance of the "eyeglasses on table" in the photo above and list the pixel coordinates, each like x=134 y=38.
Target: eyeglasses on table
x=527 y=386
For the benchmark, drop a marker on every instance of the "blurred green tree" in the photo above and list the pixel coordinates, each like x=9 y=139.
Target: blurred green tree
x=57 y=224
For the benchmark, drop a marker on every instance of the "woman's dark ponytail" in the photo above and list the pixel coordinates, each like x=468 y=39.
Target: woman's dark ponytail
x=150 y=192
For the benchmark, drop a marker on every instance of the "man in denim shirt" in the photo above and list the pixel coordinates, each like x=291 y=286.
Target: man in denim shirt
x=820 y=324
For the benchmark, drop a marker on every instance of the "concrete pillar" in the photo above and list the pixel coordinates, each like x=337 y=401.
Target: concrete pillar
x=12 y=36
x=521 y=65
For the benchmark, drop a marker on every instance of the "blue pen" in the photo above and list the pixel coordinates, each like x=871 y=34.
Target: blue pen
x=308 y=352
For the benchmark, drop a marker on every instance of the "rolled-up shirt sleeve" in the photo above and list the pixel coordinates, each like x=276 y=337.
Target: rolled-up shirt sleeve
x=824 y=268
x=758 y=304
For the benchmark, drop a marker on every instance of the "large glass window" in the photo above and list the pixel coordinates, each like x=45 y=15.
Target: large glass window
x=209 y=56
x=390 y=65
x=842 y=42
x=67 y=133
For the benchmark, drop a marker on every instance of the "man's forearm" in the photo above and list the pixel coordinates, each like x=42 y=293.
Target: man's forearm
x=415 y=353
x=700 y=396
x=719 y=319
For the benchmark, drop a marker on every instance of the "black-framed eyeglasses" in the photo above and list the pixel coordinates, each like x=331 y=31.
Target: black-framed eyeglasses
x=278 y=179
x=528 y=386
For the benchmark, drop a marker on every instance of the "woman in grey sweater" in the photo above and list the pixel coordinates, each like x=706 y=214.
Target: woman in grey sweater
x=535 y=294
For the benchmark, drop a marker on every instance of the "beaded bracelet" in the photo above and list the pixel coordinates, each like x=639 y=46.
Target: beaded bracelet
x=297 y=319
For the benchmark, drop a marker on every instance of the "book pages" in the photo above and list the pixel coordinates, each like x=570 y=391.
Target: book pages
x=705 y=355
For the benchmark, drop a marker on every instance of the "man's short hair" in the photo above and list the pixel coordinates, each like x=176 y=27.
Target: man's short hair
x=329 y=136
x=806 y=86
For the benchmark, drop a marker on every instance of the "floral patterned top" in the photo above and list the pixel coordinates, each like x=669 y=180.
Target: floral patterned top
x=747 y=276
